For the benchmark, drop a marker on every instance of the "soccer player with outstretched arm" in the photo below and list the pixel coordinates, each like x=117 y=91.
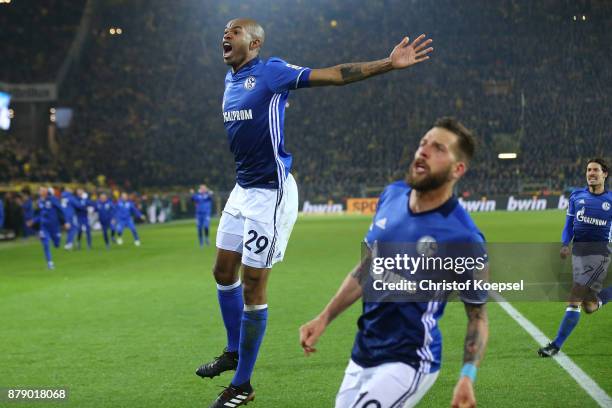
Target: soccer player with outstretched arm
x=397 y=352
x=125 y=209
x=259 y=215
x=588 y=225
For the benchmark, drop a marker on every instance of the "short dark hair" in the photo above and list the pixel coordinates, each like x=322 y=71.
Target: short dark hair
x=601 y=162
x=466 y=141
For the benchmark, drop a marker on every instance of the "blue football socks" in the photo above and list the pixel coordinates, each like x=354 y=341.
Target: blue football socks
x=253 y=328
x=569 y=322
x=231 y=303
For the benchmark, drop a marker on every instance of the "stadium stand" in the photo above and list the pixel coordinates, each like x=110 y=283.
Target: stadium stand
x=147 y=102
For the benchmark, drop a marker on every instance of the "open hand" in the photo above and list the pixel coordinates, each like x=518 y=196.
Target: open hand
x=406 y=53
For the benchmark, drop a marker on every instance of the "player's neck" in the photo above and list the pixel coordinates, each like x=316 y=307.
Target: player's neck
x=421 y=201
x=597 y=189
x=243 y=63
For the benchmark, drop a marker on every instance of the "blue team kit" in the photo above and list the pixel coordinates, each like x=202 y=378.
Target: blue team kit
x=254 y=114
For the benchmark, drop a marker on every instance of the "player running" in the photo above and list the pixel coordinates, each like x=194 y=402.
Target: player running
x=397 y=351
x=588 y=225
x=49 y=217
x=125 y=209
x=203 y=204
x=259 y=215
x=106 y=210
x=82 y=211
x=69 y=204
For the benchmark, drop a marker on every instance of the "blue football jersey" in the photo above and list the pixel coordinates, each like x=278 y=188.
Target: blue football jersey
x=203 y=202
x=80 y=205
x=105 y=210
x=69 y=202
x=28 y=209
x=50 y=213
x=408 y=331
x=124 y=210
x=591 y=221
x=253 y=115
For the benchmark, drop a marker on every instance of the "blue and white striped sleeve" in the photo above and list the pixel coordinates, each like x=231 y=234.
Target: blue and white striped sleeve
x=282 y=76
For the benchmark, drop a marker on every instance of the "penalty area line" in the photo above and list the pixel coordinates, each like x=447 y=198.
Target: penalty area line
x=582 y=378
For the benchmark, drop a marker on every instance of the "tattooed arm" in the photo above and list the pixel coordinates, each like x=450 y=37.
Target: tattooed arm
x=473 y=352
x=477 y=333
x=403 y=55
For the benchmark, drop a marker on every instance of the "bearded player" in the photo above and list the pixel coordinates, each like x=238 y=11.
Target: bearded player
x=397 y=352
x=259 y=215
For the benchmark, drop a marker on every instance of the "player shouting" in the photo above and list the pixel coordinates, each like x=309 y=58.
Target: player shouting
x=397 y=352
x=259 y=215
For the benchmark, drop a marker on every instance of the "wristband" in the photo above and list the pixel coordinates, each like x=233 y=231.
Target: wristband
x=469 y=370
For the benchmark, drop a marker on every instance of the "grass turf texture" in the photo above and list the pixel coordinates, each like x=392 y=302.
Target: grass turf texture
x=128 y=326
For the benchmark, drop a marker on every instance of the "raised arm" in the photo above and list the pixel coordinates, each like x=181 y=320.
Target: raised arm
x=473 y=352
x=403 y=55
x=347 y=294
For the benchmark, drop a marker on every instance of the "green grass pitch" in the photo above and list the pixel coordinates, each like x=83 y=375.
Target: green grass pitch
x=127 y=327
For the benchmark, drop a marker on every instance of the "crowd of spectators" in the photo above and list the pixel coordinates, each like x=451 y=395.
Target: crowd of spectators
x=37 y=36
x=147 y=102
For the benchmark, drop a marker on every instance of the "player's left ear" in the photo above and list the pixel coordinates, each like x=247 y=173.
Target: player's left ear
x=255 y=44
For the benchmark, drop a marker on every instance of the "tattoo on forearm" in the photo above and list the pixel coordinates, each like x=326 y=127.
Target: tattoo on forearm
x=477 y=333
x=361 y=70
x=361 y=271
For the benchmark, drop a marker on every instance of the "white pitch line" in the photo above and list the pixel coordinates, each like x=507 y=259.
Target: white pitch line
x=582 y=378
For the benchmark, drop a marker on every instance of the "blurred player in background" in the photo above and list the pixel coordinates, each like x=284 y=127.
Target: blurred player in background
x=82 y=211
x=203 y=205
x=1 y=213
x=588 y=225
x=397 y=352
x=125 y=209
x=105 y=209
x=49 y=217
x=259 y=215
x=28 y=211
x=69 y=204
